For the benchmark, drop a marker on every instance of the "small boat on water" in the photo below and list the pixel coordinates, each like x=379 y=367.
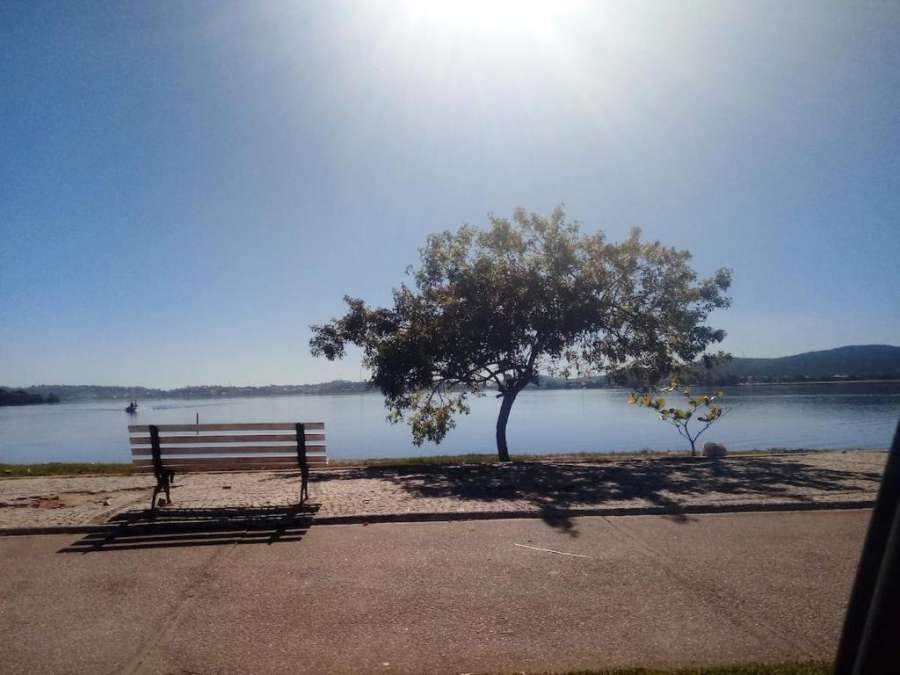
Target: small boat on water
x=132 y=408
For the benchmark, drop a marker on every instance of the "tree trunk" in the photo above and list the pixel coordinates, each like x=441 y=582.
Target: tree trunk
x=508 y=398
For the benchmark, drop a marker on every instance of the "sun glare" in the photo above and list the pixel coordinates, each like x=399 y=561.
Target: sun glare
x=489 y=16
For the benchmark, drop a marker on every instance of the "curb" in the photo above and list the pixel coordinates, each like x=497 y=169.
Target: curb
x=554 y=515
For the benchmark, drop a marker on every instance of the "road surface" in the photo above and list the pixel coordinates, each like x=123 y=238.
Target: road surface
x=504 y=595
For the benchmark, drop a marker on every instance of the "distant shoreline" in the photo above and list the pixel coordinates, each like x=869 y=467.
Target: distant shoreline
x=355 y=391
x=769 y=384
x=848 y=364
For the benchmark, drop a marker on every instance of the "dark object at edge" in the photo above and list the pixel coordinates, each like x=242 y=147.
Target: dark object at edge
x=869 y=639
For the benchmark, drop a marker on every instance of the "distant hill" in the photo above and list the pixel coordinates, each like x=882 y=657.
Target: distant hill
x=855 y=362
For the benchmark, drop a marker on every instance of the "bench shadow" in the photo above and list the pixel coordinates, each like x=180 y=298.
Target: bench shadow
x=554 y=488
x=177 y=528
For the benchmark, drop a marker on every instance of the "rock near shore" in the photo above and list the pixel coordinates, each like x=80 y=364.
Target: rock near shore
x=714 y=450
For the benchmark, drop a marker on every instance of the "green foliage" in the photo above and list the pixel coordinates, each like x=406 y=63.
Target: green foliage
x=22 y=397
x=681 y=418
x=493 y=308
x=65 y=469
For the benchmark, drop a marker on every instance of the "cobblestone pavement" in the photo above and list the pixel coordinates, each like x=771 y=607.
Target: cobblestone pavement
x=541 y=487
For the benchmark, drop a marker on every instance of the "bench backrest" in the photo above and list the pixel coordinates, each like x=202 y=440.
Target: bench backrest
x=254 y=446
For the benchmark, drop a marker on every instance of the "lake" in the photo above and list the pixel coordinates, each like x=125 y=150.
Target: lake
x=858 y=415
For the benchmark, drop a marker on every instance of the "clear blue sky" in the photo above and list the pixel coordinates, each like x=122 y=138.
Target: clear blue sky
x=186 y=186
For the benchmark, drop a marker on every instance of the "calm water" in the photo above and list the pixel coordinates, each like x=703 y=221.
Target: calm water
x=802 y=416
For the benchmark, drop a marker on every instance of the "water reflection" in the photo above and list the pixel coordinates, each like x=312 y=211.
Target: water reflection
x=791 y=416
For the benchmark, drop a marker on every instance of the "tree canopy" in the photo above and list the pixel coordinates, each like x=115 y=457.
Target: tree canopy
x=493 y=308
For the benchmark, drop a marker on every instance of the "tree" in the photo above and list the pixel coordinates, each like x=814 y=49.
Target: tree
x=681 y=417
x=493 y=308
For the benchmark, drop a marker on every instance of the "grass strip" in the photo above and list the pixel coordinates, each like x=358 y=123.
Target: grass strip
x=127 y=469
x=789 y=668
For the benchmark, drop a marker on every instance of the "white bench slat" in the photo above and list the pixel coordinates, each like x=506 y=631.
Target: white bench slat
x=247 y=438
x=231 y=450
x=230 y=464
x=243 y=426
x=193 y=440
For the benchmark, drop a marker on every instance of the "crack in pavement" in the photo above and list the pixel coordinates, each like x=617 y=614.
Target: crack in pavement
x=171 y=621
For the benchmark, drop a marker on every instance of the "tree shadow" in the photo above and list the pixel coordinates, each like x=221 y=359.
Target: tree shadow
x=554 y=488
x=170 y=528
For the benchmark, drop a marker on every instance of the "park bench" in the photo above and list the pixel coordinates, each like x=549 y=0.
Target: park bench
x=167 y=449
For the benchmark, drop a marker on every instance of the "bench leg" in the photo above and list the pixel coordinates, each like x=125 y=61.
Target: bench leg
x=304 y=484
x=164 y=483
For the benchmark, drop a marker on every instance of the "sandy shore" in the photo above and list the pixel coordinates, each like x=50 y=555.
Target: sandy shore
x=545 y=488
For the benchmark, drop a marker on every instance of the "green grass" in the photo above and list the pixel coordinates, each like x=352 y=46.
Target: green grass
x=491 y=458
x=65 y=469
x=125 y=469
x=792 y=668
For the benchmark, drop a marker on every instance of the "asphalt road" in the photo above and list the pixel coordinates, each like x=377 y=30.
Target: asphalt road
x=506 y=595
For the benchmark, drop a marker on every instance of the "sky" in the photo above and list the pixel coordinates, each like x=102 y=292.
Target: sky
x=186 y=186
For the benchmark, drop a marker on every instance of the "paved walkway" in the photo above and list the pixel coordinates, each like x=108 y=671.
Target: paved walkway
x=547 y=489
x=446 y=597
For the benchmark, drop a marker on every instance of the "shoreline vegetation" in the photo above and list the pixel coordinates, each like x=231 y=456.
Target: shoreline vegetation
x=17 y=397
x=87 y=393
x=127 y=469
x=346 y=387
x=851 y=364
